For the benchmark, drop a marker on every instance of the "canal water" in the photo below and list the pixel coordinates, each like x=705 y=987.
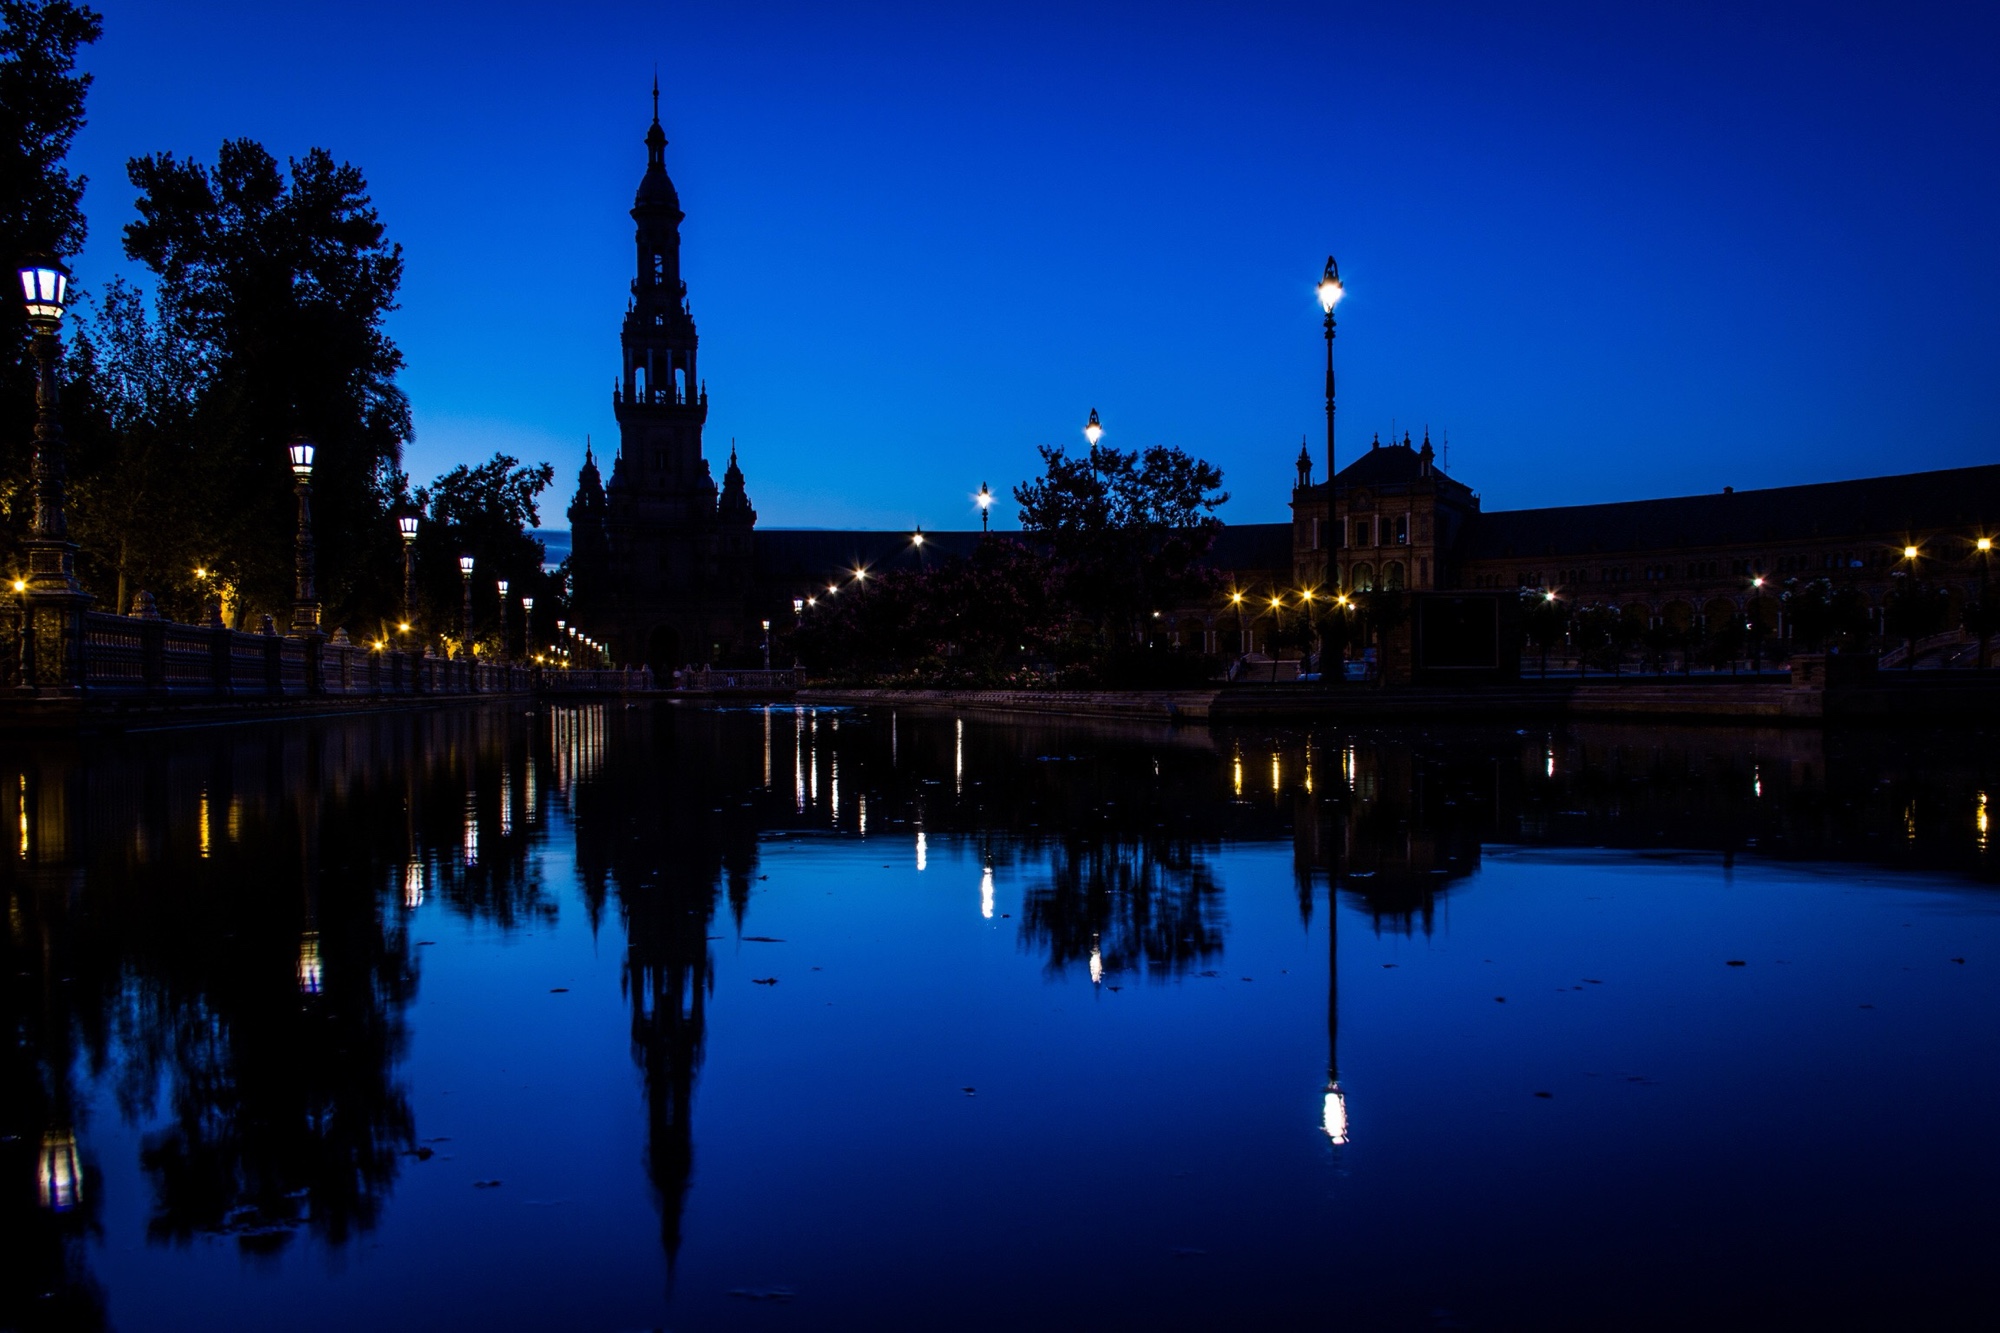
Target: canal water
x=612 y=1016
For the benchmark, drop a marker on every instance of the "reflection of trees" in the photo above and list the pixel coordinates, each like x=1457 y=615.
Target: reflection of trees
x=212 y=926
x=1148 y=904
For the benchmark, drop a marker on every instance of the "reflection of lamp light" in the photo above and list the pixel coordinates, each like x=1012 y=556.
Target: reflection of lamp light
x=986 y=893
x=310 y=975
x=1096 y=965
x=1333 y=1116
x=923 y=851
x=59 y=1182
x=413 y=884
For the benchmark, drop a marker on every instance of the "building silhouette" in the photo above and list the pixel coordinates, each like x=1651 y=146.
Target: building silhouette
x=669 y=569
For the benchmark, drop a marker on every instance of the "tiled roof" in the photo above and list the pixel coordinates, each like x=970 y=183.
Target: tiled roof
x=1908 y=506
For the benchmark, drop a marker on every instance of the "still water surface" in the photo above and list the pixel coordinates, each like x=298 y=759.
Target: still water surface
x=609 y=1017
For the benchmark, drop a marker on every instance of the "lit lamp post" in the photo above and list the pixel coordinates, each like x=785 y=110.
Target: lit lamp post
x=767 y=645
x=503 y=619
x=408 y=516
x=1985 y=545
x=561 y=644
x=52 y=600
x=1330 y=292
x=528 y=627
x=1242 y=629
x=917 y=545
x=985 y=507
x=1093 y=430
x=305 y=604
x=465 y=570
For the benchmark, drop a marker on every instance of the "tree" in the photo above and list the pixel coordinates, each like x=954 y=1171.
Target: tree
x=41 y=201
x=484 y=512
x=278 y=289
x=1128 y=531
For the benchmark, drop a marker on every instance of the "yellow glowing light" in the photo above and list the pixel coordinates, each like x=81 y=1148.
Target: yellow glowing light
x=1275 y=603
x=1233 y=597
x=1985 y=543
x=405 y=627
x=860 y=576
x=917 y=540
x=20 y=585
x=1306 y=595
x=832 y=589
x=1909 y=553
x=201 y=573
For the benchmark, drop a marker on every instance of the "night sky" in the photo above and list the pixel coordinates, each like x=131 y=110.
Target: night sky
x=1615 y=250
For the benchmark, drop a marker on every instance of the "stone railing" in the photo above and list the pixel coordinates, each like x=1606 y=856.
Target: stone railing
x=145 y=658
x=752 y=680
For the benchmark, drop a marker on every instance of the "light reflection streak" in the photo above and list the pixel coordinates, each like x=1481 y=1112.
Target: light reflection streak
x=958 y=757
x=59 y=1184
x=923 y=852
x=310 y=975
x=986 y=893
x=413 y=884
x=1333 y=1116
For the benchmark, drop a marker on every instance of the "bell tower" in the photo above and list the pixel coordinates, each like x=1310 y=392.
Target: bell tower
x=660 y=403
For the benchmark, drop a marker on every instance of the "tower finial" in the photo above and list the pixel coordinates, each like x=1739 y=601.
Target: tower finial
x=656 y=92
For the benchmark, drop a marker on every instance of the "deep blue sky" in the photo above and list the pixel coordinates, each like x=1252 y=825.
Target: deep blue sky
x=1615 y=250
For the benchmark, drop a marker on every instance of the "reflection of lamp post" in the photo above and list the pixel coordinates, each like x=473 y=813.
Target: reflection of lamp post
x=1330 y=292
x=305 y=604
x=51 y=645
x=465 y=569
x=985 y=507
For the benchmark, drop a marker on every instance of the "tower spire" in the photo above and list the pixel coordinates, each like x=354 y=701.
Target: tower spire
x=656 y=94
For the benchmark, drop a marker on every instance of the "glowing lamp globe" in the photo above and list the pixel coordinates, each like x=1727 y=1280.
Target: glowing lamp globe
x=1330 y=290
x=503 y=587
x=985 y=497
x=301 y=451
x=465 y=565
x=407 y=519
x=1093 y=430
x=45 y=292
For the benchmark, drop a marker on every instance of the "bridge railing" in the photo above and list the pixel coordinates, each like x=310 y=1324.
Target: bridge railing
x=751 y=680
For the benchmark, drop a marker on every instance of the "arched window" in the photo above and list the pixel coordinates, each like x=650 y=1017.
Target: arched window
x=1364 y=578
x=1392 y=574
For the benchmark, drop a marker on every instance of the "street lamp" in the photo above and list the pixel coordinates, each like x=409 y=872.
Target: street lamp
x=1330 y=292
x=1093 y=430
x=408 y=516
x=502 y=585
x=985 y=507
x=51 y=641
x=767 y=645
x=465 y=570
x=305 y=604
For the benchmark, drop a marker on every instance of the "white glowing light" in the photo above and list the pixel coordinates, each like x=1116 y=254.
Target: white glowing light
x=986 y=893
x=923 y=851
x=1333 y=1116
x=1096 y=966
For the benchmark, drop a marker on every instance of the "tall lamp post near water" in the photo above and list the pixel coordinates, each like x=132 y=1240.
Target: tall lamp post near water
x=465 y=569
x=53 y=601
x=408 y=517
x=985 y=507
x=503 y=619
x=1330 y=291
x=305 y=602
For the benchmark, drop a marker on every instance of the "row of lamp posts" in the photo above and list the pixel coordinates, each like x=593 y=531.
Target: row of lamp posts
x=53 y=601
